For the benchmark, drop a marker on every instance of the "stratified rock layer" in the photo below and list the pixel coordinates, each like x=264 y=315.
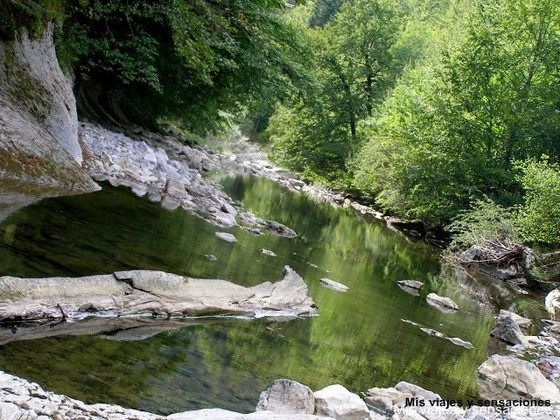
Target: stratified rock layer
x=152 y=293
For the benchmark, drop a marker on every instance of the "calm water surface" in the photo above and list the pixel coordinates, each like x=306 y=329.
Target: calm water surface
x=359 y=339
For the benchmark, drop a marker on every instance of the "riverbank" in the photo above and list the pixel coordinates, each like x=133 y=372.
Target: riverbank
x=173 y=161
x=284 y=399
x=282 y=246
x=169 y=172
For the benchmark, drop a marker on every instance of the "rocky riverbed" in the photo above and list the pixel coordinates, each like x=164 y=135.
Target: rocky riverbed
x=168 y=172
x=284 y=399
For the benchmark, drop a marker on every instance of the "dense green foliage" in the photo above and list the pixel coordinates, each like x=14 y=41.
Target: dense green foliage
x=539 y=217
x=458 y=120
x=424 y=107
x=188 y=62
x=29 y=14
x=461 y=91
x=353 y=65
x=181 y=59
x=536 y=221
x=485 y=223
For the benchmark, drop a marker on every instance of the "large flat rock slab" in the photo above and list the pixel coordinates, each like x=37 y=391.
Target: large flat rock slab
x=150 y=293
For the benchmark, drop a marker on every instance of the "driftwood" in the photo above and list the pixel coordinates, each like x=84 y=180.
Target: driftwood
x=507 y=260
x=548 y=265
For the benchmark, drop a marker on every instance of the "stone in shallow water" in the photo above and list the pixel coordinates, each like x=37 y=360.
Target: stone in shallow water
x=334 y=285
x=411 y=286
x=507 y=330
x=145 y=292
x=228 y=237
x=455 y=340
x=287 y=397
x=444 y=304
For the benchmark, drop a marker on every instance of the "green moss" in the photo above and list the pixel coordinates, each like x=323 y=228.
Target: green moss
x=24 y=89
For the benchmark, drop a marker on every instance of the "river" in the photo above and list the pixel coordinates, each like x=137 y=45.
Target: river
x=369 y=336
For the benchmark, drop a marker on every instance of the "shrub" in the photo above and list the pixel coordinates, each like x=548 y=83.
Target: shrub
x=539 y=216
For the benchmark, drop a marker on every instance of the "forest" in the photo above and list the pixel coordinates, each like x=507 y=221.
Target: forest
x=442 y=110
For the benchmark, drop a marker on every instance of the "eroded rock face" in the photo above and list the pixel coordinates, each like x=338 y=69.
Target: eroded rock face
x=34 y=86
x=506 y=377
x=287 y=397
x=38 y=124
x=152 y=293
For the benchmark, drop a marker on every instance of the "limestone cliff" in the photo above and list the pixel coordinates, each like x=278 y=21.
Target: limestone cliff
x=39 y=149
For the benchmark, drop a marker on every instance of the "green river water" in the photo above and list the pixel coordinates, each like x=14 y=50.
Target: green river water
x=360 y=339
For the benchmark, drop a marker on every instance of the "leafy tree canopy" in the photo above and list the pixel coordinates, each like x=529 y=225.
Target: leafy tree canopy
x=146 y=60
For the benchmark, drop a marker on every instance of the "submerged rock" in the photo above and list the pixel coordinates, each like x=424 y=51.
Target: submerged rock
x=228 y=237
x=444 y=304
x=149 y=293
x=252 y=223
x=506 y=377
x=411 y=286
x=287 y=397
x=334 y=285
x=455 y=340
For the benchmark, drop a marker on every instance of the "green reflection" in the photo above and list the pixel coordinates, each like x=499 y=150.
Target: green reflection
x=359 y=339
